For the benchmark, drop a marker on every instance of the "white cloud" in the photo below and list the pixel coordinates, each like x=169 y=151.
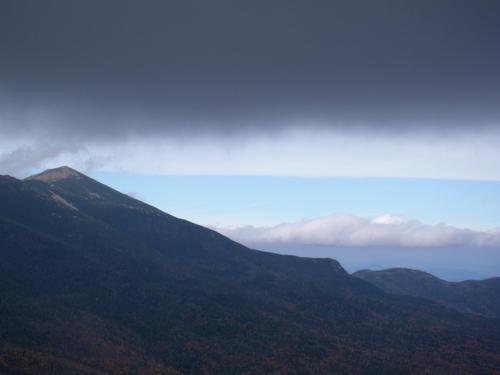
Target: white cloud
x=308 y=152
x=350 y=230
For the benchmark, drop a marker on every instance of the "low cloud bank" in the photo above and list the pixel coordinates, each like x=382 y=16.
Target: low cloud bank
x=323 y=154
x=350 y=230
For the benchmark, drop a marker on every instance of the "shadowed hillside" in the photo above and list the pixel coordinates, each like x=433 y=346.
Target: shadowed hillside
x=93 y=281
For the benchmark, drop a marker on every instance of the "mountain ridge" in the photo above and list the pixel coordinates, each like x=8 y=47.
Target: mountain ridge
x=122 y=287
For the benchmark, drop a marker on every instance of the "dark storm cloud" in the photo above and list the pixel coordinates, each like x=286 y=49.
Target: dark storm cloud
x=110 y=68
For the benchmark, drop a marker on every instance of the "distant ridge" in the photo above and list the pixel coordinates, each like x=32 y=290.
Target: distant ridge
x=480 y=297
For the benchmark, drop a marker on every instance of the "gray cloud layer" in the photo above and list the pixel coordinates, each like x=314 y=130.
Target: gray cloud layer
x=349 y=230
x=115 y=68
x=78 y=76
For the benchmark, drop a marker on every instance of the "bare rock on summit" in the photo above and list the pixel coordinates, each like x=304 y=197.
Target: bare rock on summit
x=56 y=174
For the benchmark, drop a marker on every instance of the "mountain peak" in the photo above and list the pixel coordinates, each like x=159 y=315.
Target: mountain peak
x=56 y=174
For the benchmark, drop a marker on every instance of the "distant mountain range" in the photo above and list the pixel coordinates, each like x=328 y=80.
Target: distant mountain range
x=93 y=281
x=478 y=297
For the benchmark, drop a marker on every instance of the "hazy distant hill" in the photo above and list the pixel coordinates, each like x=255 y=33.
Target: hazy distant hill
x=93 y=281
x=477 y=297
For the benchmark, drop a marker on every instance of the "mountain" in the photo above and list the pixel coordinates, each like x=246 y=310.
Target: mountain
x=478 y=297
x=93 y=281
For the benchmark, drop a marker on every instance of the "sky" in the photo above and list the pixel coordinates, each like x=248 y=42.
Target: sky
x=229 y=201
x=284 y=111
x=335 y=88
